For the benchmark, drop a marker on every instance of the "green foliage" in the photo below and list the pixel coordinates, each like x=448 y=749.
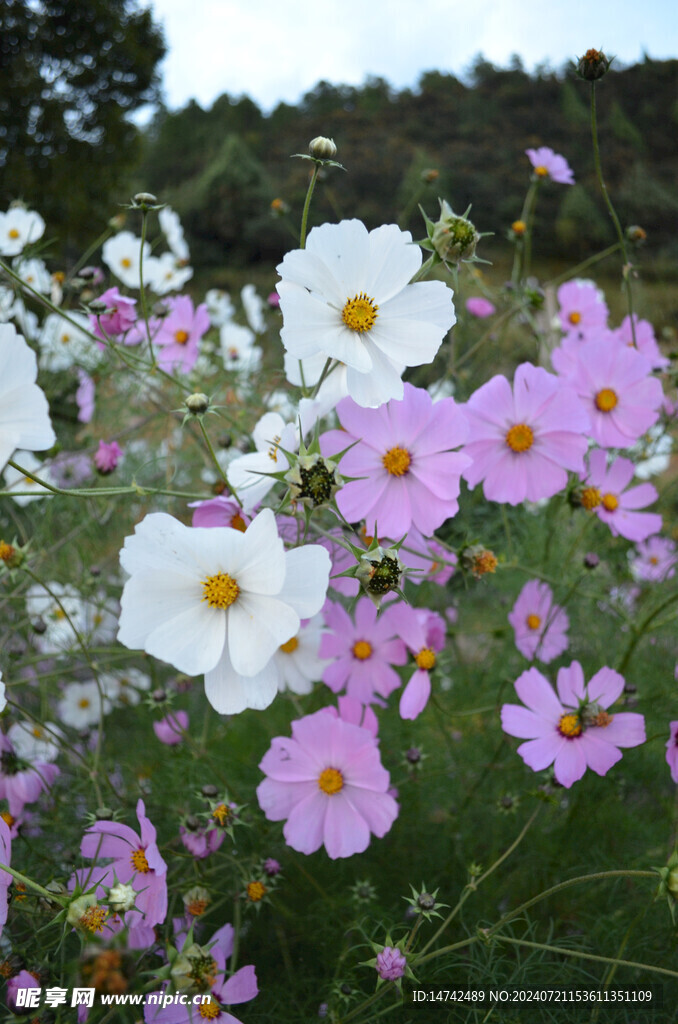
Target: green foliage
x=580 y=221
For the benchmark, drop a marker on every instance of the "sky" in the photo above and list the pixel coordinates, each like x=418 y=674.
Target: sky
x=277 y=51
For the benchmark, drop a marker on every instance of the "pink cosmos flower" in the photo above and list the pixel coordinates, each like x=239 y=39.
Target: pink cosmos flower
x=573 y=730
x=171 y=728
x=364 y=650
x=356 y=713
x=522 y=442
x=5 y=878
x=621 y=397
x=646 y=343
x=330 y=785
x=480 y=307
x=548 y=164
x=239 y=988
x=583 y=311
x=179 y=334
x=432 y=561
x=25 y=980
x=119 y=318
x=424 y=634
x=134 y=859
x=84 y=397
x=22 y=778
x=107 y=456
x=606 y=491
x=540 y=626
x=655 y=560
x=672 y=751
x=391 y=964
x=404 y=454
x=221 y=511
x=201 y=842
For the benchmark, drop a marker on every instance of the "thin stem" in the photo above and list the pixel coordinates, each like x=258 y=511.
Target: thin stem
x=564 y=951
x=307 y=205
x=93 y=492
x=24 y=880
x=216 y=462
x=423 y=269
x=142 y=288
x=640 y=630
x=584 y=265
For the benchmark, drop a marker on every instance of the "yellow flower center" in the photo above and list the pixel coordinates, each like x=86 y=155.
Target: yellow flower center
x=181 y=337
x=290 y=646
x=606 y=400
x=602 y=719
x=13 y=233
x=520 y=437
x=8 y=818
x=541 y=171
x=426 y=659
x=94 y=919
x=256 y=891
x=58 y=614
x=396 y=461
x=610 y=502
x=65 y=338
x=591 y=498
x=126 y=262
x=483 y=563
x=238 y=523
x=84 y=702
x=533 y=621
x=359 y=313
x=570 y=724
x=220 y=591
x=330 y=781
x=139 y=862
x=6 y=551
x=574 y=317
x=221 y=813
x=209 y=1011
x=362 y=650
x=518 y=227
x=654 y=560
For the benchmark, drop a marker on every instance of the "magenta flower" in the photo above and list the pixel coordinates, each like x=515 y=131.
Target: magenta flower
x=621 y=397
x=330 y=785
x=119 y=317
x=583 y=311
x=655 y=560
x=364 y=650
x=5 y=878
x=424 y=634
x=22 y=778
x=170 y=729
x=272 y=867
x=239 y=988
x=522 y=442
x=222 y=511
x=107 y=456
x=391 y=964
x=179 y=334
x=606 y=491
x=403 y=452
x=548 y=164
x=134 y=859
x=672 y=751
x=646 y=343
x=540 y=626
x=573 y=730
x=477 y=306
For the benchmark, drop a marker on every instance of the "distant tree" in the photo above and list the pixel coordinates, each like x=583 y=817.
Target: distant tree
x=71 y=72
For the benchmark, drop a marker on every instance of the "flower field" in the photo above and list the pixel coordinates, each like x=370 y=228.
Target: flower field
x=338 y=652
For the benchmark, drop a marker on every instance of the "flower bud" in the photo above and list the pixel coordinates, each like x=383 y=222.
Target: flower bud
x=121 y=898
x=635 y=234
x=379 y=572
x=197 y=404
x=313 y=480
x=454 y=238
x=478 y=560
x=390 y=964
x=322 y=148
x=196 y=901
x=194 y=969
x=144 y=199
x=593 y=65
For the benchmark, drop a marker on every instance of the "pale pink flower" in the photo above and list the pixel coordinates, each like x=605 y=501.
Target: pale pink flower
x=573 y=730
x=607 y=491
x=330 y=785
x=672 y=751
x=5 y=878
x=391 y=964
x=423 y=632
x=646 y=342
x=655 y=560
x=84 y=397
x=107 y=456
x=364 y=651
x=480 y=307
x=540 y=626
x=119 y=317
x=179 y=334
x=524 y=440
x=583 y=311
x=548 y=164
x=170 y=729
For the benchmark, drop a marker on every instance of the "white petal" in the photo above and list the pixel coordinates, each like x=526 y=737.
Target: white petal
x=262 y=568
x=394 y=260
x=230 y=693
x=257 y=626
x=306 y=581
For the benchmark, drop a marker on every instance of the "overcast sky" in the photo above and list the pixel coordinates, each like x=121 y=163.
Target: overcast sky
x=278 y=51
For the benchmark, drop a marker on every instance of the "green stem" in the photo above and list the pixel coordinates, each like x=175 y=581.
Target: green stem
x=216 y=462
x=142 y=288
x=577 y=954
x=24 y=880
x=581 y=267
x=423 y=269
x=307 y=205
x=640 y=630
x=94 y=492
x=626 y=268
x=88 y=252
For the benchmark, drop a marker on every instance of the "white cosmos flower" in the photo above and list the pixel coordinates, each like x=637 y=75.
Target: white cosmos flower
x=66 y=342
x=125 y=688
x=24 y=413
x=253 y=304
x=219 y=601
x=219 y=306
x=165 y=274
x=34 y=273
x=247 y=473
x=18 y=228
x=55 y=609
x=348 y=296
x=33 y=742
x=121 y=254
x=170 y=225
x=297 y=660
x=238 y=349
x=81 y=705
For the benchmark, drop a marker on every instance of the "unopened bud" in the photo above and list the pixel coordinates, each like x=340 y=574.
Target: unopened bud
x=454 y=238
x=197 y=403
x=121 y=898
x=210 y=792
x=636 y=234
x=322 y=148
x=593 y=65
x=145 y=199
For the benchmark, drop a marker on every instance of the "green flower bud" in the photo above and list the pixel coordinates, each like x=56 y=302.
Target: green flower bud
x=593 y=65
x=454 y=238
x=313 y=480
x=322 y=148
